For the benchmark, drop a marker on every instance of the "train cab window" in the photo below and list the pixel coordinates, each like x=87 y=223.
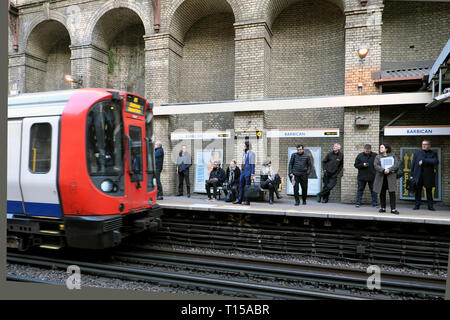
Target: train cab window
x=40 y=148
x=104 y=139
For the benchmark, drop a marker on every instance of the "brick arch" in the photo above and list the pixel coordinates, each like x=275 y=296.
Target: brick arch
x=39 y=41
x=145 y=15
x=48 y=56
x=37 y=20
x=183 y=14
x=270 y=9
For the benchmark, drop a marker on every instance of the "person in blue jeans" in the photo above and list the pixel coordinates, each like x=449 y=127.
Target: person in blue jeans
x=366 y=174
x=247 y=173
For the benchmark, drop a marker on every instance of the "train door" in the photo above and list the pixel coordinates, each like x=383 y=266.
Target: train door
x=39 y=167
x=14 y=193
x=136 y=165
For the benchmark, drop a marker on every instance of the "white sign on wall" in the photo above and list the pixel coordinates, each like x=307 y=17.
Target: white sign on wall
x=207 y=135
x=417 y=131
x=303 y=133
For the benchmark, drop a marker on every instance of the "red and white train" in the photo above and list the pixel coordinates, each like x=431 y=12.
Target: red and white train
x=80 y=169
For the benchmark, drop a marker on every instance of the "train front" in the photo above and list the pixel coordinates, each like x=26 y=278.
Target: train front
x=107 y=170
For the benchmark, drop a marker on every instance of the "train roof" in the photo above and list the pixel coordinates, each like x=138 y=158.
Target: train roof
x=39 y=104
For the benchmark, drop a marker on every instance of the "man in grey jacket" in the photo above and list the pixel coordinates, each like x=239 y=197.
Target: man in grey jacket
x=184 y=162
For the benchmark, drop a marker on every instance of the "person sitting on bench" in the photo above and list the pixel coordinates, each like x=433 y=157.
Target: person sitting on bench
x=232 y=182
x=216 y=179
x=267 y=179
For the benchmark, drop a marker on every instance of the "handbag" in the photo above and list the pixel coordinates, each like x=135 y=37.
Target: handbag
x=411 y=185
x=252 y=191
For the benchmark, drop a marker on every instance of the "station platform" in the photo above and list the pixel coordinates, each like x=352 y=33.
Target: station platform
x=313 y=209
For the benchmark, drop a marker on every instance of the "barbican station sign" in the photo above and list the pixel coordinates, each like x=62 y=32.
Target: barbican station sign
x=304 y=133
x=417 y=131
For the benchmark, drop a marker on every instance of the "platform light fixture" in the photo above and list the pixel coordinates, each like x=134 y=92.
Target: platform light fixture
x=78 y=80
x=362 y=52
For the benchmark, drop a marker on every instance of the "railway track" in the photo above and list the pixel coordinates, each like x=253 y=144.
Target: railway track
x=216 y=285
x=246 y=278
x=356 y=241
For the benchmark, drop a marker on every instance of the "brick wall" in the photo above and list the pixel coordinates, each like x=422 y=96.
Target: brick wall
x=207 y=70
x=299 y=66
x=414 y=31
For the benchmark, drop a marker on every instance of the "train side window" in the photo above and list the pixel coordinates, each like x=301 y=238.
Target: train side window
x=40 y=148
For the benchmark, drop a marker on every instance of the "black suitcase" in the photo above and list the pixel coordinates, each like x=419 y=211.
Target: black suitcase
x=252 y=192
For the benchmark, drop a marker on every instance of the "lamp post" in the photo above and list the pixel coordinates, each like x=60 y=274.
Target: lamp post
x=362 y=53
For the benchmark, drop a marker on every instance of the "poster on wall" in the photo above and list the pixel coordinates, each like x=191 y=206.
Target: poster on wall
x=407 y=156
x=203 y=164
x=314 y=178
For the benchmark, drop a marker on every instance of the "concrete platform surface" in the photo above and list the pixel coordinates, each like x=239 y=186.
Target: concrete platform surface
x=313 y=209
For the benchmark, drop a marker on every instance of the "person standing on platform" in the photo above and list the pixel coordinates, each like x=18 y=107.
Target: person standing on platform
x=423 y=170
x=184 y=162
x=366 y=174
x=299 y=170
x=332 y=166
x=216 y=179
x=247 y=173
x=159 y=161
x=386 y=166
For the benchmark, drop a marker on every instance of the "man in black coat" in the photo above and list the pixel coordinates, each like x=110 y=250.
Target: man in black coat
x=299 y=170
x=159 y=161
x=232 y=178
x=332 y=165
x=423 y=171
x=366 y=174
x=216 y=179
x=184 y=162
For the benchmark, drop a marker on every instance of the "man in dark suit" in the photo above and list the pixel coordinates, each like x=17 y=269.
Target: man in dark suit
x=423 y=172
x=184 y=162
x=364 y=162
x=159 y=161
x=247 y=173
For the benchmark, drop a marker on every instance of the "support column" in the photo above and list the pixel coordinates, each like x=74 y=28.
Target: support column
x=251 y=121
x=91 y=63
x=363 y=27
x=163 y=54
x=16 y=73
x=252 y=60
x=355 y=137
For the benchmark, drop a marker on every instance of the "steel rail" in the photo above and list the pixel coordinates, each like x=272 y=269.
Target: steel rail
x=390 y=281
x=137 y=274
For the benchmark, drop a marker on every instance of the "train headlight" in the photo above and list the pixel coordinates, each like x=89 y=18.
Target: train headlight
x=107 y=186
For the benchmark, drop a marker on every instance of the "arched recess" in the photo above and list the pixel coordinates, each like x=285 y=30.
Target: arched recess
x=308 y=49
x=48 y=57
x=271 y=9
x=204 y=70
x=118 y=36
